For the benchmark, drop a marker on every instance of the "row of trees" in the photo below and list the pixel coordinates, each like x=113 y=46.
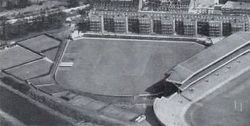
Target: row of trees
x=24 y=27
x=75 y=3
x=17 y=4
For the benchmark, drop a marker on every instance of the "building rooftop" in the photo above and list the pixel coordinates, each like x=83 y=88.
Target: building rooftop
x=201 y=61
x=236 y=5
x=205 y=3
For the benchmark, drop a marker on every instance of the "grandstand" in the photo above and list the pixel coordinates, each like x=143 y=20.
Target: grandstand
x=210 y=59
x=219 y=70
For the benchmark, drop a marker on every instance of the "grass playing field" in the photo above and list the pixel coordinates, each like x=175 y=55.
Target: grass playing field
x=121 y=67
x=31 y=70
x=15 y=56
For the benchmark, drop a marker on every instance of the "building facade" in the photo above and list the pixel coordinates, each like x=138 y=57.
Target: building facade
x=95 y=24
x=145 y=25
x=120 y=25
x=133 y=24
x=157 y=26
x=189 y=28
x=116 y=5
x=169 y=24
x=109 y=23
x=215 y=28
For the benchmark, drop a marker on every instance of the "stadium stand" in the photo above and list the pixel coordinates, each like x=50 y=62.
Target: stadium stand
x=208 y=59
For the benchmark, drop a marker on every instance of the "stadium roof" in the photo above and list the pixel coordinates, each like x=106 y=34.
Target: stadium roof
x=196 y=64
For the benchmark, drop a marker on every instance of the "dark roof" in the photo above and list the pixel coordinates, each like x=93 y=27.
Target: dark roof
x=189 y=68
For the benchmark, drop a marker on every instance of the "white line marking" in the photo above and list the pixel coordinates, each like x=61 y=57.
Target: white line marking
x=144 y=40
x=241 y=107
x=235 y=105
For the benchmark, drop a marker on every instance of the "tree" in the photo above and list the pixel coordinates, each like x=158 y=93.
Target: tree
x=9 y=5
x=3 y=23
x=73 y=3
x=23 y=3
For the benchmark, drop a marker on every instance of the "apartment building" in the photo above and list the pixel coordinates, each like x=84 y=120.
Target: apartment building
x=189 y=27
x=145 y=25
x=215 y=28
x=157 y=26
x=167 y=26
x=95 y=24
x=133 y=24
x=120 y=24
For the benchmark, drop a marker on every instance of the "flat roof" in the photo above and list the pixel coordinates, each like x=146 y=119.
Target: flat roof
x=236 y=5
x=205 y=3
x=16 y=55
x=189 y=68
x=40 y=43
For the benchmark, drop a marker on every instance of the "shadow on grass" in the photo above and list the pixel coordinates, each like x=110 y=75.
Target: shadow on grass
x=162 y=88
x=15 y=84
x=151 y=118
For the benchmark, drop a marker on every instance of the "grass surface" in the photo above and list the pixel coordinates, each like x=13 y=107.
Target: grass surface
x=15 y=56
x=31 y=70
x=40 y=43
x=121 y=67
